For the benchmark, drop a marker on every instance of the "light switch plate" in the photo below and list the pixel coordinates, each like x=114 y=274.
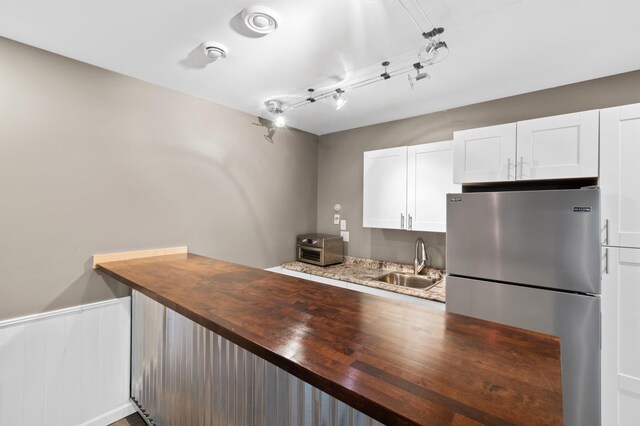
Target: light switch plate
x=345 y=236
x=343 y=225
x=336 y=219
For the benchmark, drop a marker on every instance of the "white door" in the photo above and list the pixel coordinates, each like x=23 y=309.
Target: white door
x=620 y=175
x=430 y=178
x=385 y=188
x=485 y=155
x=562 y=146
x=621 y=337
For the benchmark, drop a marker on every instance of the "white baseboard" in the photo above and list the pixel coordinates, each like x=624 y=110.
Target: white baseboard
x=114 y=415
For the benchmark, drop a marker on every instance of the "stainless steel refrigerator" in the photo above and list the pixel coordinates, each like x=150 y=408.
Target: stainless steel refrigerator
x=531 y=259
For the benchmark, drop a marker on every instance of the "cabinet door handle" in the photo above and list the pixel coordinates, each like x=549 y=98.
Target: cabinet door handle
x=521 y=166
x=410 y=221
x=606 y=232
x=509 y=169
x=401 y=221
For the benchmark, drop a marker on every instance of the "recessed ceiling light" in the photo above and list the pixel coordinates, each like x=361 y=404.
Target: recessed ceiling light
x=214 y=50
x=260 y=20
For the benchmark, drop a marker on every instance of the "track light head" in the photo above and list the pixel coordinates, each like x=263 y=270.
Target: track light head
x=274 y=106
x=280 y=121
x=433 y=52
x=339 y=99
x=420 y=75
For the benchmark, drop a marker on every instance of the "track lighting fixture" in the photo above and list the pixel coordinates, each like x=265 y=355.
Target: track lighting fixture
x=420 y=75
x=385 y=74
x=310 y=98
x=434 y=32
x=433 y=52
x=280 y=121
x=275 y=108
x=339 y=99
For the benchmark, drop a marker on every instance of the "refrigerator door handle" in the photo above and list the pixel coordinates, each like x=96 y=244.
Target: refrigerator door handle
x=606 y=232
x=606 y=261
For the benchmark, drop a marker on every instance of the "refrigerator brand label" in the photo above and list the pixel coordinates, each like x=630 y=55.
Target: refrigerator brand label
x=582 y=209
x=455 y=199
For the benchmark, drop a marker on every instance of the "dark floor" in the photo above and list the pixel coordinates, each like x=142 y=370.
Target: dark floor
x=132 y=420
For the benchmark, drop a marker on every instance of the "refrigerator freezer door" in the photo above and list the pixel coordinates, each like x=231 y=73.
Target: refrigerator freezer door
x=540 y=238
x=574 y=318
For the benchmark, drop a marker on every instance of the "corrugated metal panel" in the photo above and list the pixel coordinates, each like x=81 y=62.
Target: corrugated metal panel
x=184 y=374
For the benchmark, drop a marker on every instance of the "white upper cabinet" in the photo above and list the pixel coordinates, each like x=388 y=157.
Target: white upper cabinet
x=405 y=188
x=487 y=154
x=430 y=178
x=562 y=146
x=385 y=188
x=620 y=175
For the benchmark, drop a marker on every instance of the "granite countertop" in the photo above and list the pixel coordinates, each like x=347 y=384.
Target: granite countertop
x=363 y=271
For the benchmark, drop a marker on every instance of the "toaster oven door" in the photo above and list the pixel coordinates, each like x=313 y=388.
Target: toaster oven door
x=313 y=255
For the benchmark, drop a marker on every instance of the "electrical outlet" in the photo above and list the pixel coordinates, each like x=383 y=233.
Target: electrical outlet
x=343 y=225
x=336 y=219
x=345 y=236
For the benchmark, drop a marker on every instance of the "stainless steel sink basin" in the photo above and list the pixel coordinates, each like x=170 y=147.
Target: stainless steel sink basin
x=407 y=280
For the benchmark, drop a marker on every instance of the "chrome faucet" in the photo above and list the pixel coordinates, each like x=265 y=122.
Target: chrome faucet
x=420 y=249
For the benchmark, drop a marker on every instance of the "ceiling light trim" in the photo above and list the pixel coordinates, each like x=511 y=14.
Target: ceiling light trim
x=260 y=20
x=214 y=50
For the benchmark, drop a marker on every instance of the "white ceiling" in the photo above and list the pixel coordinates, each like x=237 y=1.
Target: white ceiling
x=498 y=48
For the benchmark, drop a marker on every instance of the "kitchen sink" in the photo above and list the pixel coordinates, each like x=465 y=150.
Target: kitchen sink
x=407 y=280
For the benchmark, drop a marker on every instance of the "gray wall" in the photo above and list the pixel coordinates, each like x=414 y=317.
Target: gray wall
x=95 y=162
x=340 y=154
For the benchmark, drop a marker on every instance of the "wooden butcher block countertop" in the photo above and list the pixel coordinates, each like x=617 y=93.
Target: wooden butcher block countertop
x=396 y=362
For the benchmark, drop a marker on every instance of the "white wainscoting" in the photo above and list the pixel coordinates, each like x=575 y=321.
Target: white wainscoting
x=66 y=367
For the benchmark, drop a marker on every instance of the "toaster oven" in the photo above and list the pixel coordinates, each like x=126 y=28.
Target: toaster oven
x=319 y=249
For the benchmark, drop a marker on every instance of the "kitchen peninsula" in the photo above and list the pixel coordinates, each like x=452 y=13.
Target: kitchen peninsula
x=394 y=362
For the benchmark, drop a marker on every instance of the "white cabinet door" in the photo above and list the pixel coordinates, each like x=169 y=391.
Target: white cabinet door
x=430 y=178
x=620 y=175
x=562 y=146
x=487 y=154
x=621 y=337
x=385 y=188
